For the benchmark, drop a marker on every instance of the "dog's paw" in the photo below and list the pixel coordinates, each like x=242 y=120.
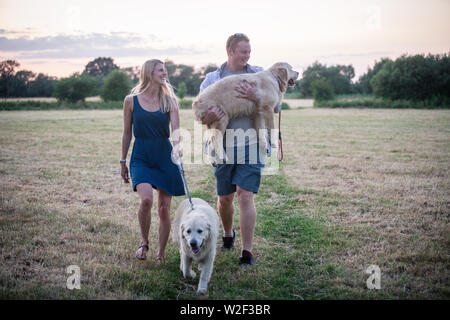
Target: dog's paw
x=213 y=161
x=190 y=275
x=202 y=290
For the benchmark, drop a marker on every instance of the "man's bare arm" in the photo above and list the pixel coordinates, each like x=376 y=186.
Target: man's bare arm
x=212 y=114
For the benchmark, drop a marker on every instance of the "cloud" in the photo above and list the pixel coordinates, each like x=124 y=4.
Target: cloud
x=27 y=31
x=114 y=44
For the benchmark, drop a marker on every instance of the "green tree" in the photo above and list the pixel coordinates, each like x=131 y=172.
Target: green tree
x=133 y=73
x=171 y=68
x=41 y=86
x=414 y=78
x=74 y=88
x=364 y=81
x=322 y=90
x=117 y=85
x=182 y=90
x=312 y=73
x=20 y=82
x=208 y=68
x=7 y=72
x=339 y=77
x=23 y=83
x=179 y=73
x=100 y=67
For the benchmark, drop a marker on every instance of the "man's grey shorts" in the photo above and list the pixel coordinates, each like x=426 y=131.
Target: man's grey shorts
x=245 y=175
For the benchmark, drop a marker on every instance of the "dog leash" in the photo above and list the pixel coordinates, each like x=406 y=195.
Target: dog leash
x=280 y=141
x=180 y=166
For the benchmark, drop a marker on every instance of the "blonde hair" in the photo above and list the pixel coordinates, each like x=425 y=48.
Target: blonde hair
x=166 y=96
x=233 y=40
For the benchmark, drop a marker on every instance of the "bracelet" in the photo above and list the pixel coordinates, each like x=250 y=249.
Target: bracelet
x=123 y=161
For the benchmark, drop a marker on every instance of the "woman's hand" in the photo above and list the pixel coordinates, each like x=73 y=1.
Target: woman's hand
x=247 y=90
x=124 y=172
x=177 y=152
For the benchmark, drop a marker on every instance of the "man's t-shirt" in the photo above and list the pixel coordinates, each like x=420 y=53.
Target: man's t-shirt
x=243 y=137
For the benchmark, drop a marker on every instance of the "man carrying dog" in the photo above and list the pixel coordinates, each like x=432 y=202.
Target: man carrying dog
x=241 y=175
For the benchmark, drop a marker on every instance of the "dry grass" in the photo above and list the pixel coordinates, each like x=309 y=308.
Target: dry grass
x=384 y=176
x=358 y=187
x=299 y=103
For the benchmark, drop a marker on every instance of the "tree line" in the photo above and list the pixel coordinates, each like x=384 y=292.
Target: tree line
x=415 y=77
x=23 y=83
x=100 y=76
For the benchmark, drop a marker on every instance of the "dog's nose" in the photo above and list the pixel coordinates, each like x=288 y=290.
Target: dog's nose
x=193 y=244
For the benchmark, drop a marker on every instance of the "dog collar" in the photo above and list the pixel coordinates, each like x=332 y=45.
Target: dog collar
x=278 y=80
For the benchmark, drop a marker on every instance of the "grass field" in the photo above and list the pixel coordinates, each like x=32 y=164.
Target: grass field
x=358 y=187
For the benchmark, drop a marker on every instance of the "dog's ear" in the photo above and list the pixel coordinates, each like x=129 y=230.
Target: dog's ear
x=182 y=231
x=282 y=76
x=208 y=227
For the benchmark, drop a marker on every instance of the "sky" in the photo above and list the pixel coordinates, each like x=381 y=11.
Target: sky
x=59 y=38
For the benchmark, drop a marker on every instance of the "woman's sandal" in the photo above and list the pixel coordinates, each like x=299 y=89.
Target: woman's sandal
x=140 y=253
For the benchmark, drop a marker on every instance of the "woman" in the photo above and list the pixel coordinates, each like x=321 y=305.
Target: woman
x=147 y=111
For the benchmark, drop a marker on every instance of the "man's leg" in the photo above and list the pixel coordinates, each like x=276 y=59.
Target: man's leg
x=226 y=211
x=226 y=191
x=247 y=217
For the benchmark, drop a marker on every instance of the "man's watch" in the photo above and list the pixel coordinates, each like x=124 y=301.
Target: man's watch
x=123 y=161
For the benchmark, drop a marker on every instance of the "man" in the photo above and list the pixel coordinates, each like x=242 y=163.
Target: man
x=241 y=176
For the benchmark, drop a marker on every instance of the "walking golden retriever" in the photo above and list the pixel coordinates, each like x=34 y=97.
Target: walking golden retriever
x=195 y=232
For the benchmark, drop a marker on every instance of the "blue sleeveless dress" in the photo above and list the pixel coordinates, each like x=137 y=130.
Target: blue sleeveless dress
x=151 y=160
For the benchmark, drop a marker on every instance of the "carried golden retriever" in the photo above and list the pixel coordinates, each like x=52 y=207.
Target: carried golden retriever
x=195 y=232
x=270 y=85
